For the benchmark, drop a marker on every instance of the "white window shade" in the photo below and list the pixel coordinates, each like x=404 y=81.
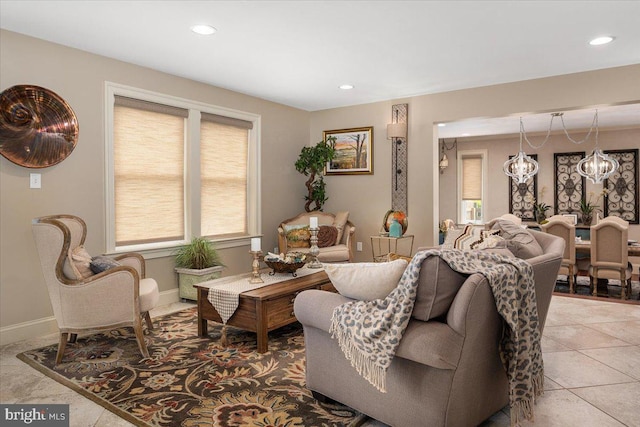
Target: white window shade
x=223 y=170
x=148 y=149
x=472 y=178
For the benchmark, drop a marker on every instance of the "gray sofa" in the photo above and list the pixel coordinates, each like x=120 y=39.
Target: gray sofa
x=447 y=370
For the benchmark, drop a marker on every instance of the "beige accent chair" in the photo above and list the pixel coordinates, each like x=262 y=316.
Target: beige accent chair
x=609 y=254
x=342 y=252
x=447 y=370
x=114 y=298
x=560 y=226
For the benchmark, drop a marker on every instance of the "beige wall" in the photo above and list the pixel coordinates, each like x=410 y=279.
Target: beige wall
x=77 y=184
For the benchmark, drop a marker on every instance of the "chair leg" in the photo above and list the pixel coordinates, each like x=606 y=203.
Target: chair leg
x=571 y=279
x=593 y=282
x=147 y=318
x=64 y=336
x=623 y=285
x=137 y=328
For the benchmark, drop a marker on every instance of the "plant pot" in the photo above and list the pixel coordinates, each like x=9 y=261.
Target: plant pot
x=187 y=277
x=587 y=218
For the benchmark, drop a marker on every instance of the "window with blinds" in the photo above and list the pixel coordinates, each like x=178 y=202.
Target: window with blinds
x=472 y=170
x=223 y=170
x=148 y=148
x=178 y=169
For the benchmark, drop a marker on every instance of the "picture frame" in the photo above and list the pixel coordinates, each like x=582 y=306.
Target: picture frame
x=353 y=151
x=572 y=217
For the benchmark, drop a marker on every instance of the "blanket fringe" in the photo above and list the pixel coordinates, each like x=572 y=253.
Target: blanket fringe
x=365 y=366
x=523 y=409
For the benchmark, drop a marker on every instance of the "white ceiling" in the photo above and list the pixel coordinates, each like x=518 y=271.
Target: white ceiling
x=298 y=52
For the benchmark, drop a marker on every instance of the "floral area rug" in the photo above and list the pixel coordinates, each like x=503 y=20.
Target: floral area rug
x=192 y=381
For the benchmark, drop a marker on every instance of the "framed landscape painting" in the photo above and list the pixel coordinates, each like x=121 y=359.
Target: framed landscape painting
x=353 y=151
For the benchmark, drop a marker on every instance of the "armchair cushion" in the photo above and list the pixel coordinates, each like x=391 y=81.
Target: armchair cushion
x=327 y=236
x=366 y=280
x=519 y=240
x=339 y=222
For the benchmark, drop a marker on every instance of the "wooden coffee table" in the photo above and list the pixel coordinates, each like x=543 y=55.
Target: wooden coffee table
x=264 y=309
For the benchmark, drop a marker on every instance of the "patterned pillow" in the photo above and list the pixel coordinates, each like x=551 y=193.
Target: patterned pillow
x=102 y=263
x=469 y=238
x=298 y=236
x=327 y=236
x=366 y=281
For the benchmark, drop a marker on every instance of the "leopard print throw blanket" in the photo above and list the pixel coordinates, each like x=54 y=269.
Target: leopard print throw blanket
x=369 y=332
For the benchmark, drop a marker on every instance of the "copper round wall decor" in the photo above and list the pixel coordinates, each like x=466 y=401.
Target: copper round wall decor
x=37 y=127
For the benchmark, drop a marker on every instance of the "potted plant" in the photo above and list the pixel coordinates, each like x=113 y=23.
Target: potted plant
x=540 y=211
x=311 y=162
x=587 y=207
x=196 y=262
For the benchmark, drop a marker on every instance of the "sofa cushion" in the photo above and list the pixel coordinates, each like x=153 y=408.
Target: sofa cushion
x=77 y=264
x=327 y=236
x=366 y=280
x=438 y=286
x=339 y=221
x=518 y=240
x=297 y=235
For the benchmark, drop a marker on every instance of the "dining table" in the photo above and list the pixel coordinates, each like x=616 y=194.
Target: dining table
x=584 y=246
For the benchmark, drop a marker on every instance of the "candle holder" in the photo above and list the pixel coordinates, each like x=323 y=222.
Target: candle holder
x=314 y=251
x=255 y=275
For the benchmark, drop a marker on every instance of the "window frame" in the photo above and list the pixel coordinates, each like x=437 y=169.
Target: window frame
x=192 y=171
x=483 y=154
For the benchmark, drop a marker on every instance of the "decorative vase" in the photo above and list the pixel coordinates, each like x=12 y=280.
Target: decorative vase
x=540 y=216
x=399 y=216
x=587 y=218
x=395 y=229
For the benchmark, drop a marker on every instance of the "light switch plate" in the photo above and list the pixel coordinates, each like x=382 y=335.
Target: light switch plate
x=359 y=246
x=35 y=180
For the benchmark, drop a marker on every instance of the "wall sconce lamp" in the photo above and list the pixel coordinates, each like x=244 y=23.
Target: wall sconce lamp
x=444 y=160
x=397 y=132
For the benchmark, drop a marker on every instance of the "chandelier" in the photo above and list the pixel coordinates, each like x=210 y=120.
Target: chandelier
x=596 y=167
x=520 y=167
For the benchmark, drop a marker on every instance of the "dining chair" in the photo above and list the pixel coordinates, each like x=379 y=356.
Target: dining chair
x=83 y=300
x=609 y=254
x=561 y=227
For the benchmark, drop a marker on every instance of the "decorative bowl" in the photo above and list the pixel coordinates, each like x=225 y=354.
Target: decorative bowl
x=284 y=267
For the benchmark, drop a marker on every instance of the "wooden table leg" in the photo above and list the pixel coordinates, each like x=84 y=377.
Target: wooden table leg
x=202 y=322
x=261 y=328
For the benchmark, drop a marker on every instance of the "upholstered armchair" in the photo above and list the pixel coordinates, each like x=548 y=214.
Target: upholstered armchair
x=341 y=251
x=114 y=298
x=560 y=227
x=609 y=254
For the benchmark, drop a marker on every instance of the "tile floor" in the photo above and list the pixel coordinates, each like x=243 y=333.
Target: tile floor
x=591 y=352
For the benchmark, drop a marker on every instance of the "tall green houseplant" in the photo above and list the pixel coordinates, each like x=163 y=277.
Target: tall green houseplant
x=196 y=262
x=311 y=163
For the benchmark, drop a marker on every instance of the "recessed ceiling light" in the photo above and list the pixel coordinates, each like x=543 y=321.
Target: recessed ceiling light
x=204 y=30
x=601 y=40
x=346 y=87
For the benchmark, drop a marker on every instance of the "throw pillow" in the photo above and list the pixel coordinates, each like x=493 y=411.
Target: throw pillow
x=339 y=221
x=438 y=286
x=392 y=257
x=103 y=263
x=471 y=237
x=76 y=266
x=366 y=281
x=298 y=236
x=327 y=236
x=518 y=240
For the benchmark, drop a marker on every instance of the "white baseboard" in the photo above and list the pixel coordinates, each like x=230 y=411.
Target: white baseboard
x=47 y=325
